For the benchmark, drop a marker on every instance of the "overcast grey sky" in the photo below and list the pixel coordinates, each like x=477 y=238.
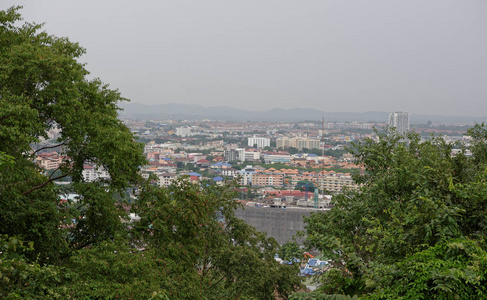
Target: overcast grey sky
x=413 y=55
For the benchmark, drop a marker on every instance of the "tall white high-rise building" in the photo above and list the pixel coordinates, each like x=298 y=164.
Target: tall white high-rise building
x=400 y=121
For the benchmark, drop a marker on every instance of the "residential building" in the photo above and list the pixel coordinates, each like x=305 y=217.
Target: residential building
x=166 y=179
x=221 y=165
x=93 y=173
x=183 y=131
x=259 y=141
x=399 y=121
x=229 y=172
x=246 y=175
x=252 y=156
x=241 y=154
x=297 y=142
x=230 y=155
x=49 y=161
x=155 y=156
x=268 y=179
x=335 y=183
x=234 y=154
x=196 y=156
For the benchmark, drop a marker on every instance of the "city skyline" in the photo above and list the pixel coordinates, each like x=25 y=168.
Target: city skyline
x=425 y=58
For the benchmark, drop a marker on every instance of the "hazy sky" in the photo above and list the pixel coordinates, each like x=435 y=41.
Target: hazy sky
x=419 y=56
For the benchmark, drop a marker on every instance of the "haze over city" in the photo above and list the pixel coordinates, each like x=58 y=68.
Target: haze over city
x=355 y=56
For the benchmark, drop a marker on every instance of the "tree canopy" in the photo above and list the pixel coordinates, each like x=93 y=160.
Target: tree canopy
x=416 y=229
x=42 y=87
x=187 y=244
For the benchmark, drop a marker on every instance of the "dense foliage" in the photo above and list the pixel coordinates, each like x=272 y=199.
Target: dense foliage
x=416 y=229
x=43 y=86
x=188 y=243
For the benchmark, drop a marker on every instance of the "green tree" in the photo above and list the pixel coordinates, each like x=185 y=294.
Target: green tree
x=417 y=227
x=218 y=256
x=188 y=243
x=290 y=251
x=42 y=86
x=292 y=150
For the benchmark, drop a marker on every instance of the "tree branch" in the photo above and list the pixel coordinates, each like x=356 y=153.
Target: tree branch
x=49 y=147
x=219 y=280
x=54 y=171
x=43 y=185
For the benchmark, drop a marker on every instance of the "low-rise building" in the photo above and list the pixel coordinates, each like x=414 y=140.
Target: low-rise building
x=166 y=179
x=49 y=161
x=268 y=179
x=93 y=173
x=335 y=183
x=246 y=175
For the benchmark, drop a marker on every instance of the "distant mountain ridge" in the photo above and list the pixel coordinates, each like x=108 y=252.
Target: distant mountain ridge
x=178 y=111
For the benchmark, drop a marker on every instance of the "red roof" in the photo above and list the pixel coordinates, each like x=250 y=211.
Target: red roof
x=286 y=193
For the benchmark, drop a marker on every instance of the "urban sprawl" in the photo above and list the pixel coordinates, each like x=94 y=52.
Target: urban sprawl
x=301 y=164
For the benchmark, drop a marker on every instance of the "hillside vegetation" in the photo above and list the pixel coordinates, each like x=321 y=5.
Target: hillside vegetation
x=187 y=245
x=417 y=228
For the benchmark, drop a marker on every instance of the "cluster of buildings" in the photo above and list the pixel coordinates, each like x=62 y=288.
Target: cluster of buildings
x=290 y=178
x=226 y=161
x=53 y=161
x=168 y=165
x=221 y=157
x=304 y=135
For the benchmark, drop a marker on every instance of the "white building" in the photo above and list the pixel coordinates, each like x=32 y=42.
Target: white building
x=252 y=155
x=241 y=154
x=234 y=154
x=166 y=179
x=276 y=158
x=399 y=121
x=183 y=131
x=229 y=172
x=93 y=173
x=259 y=141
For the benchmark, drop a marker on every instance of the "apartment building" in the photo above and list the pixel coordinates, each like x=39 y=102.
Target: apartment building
x=400 y=121
x=259 y=141
x=166 y=179
x=246 y=175
x=335 y=183
x=93 y=173
x=183 y=131
x=49 y=161
x=268 y=179
x=234 y=154
x=297 y=142
x=252 y=155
